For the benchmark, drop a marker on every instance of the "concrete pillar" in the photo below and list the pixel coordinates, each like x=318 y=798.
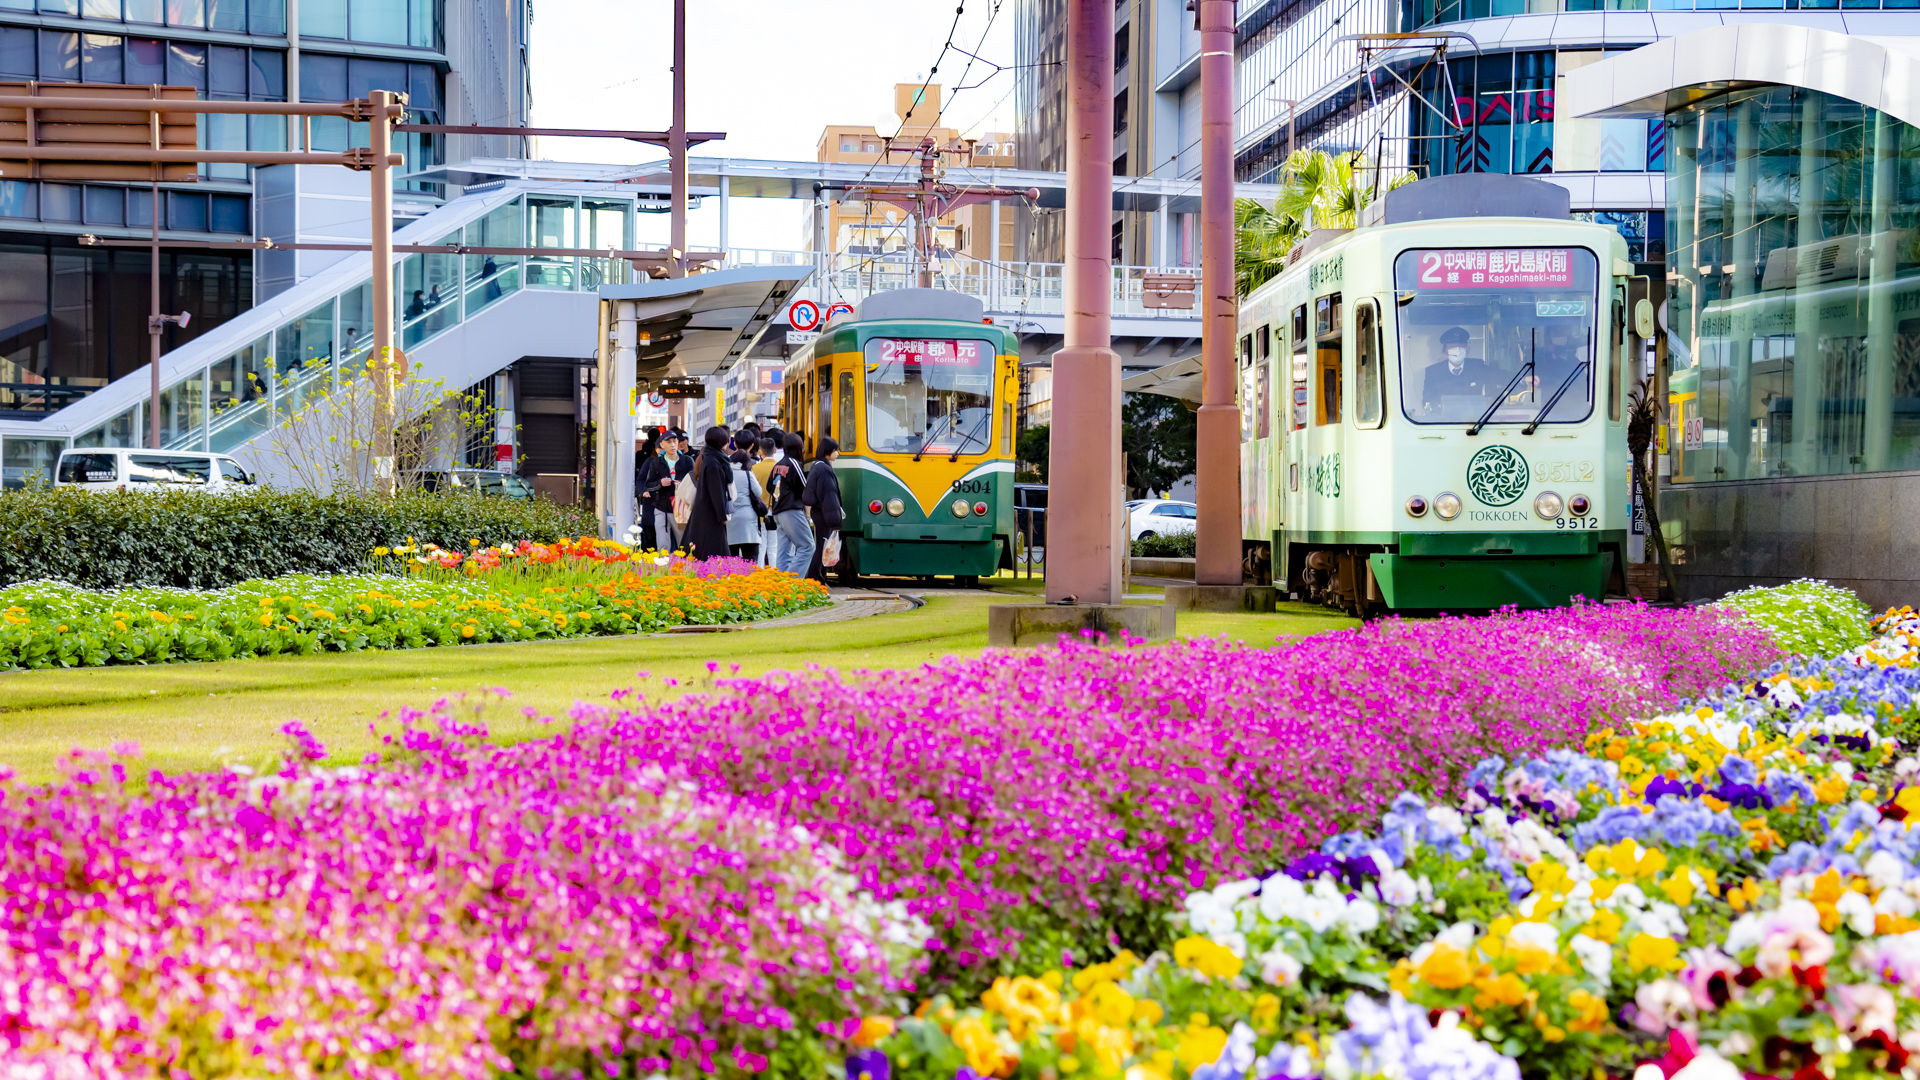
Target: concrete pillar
x=1744 y=316
x=1217 y=487
x=618 y=466
x=1161 y=256
x=1882 y=328
x=1083 y=533
x=1809 y=366
x=726 y=191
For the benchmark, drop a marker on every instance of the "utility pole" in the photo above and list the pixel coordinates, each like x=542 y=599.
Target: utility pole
x=677 y=146
x=1217 y=533
x=929 y=200
x=380 y=121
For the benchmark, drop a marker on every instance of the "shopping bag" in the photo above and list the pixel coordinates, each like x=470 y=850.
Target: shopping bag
x=830 y=554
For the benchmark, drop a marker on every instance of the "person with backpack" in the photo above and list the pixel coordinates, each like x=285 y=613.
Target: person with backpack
x=749 y=509
x=712 y=502
x=789 y=513
x=822 y=496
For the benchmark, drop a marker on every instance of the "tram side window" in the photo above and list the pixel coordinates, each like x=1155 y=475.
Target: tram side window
x=847 y=439
x=823 y=403
x=1615 y=350
x=1263 y=381
x=1247 y=426
x=1367 y=403
x=1326 y=339
x=1298 y=398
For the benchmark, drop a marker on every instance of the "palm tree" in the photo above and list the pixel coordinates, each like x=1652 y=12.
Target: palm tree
x=1318 y=190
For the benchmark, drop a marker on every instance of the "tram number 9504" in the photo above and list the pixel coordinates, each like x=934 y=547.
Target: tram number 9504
x=973 y=487
x=1574 y=524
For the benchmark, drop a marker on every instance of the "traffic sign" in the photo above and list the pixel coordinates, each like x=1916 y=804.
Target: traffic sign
x=839 y=309
x=656 y=399
x=803 y=315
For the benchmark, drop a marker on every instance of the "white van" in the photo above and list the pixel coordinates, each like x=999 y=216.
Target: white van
x=111 y=468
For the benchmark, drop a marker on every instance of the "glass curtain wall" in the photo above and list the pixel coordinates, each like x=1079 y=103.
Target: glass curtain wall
x=1794 y=268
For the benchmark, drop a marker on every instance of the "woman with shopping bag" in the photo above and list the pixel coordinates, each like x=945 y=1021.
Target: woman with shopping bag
x=822 y=499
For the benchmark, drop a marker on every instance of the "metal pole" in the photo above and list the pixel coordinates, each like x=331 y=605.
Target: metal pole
x=154 y=325
x=293 y=72
x=1217 y=478
x=380 y=137
x=677 y=144
x=619 y=420
x=1084 y=462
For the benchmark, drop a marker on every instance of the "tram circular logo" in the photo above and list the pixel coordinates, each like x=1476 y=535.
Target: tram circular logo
x=1497 y=475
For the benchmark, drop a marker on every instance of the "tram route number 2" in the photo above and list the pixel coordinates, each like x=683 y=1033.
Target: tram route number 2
x=1562 y=472
x=973 y=487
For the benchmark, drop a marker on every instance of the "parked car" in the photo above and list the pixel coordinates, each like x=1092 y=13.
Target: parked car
x=482 y=481
x=107 y=468
x=1161 y=517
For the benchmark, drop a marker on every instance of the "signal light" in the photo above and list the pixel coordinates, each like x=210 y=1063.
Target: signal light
x=1579 y=505
x=875 y=507
x=1416 y=507
x=980 y=509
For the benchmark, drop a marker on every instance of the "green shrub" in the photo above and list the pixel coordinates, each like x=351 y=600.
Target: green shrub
x=191 y=540
x=1807 y=617
x=1175 y=546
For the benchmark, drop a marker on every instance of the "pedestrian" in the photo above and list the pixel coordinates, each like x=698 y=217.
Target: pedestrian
x=642 y=494
x=712 y=498
x=765 y=452
x=822 y=497
x=658 y=481
x=749 y=509
x=418 y=306
x=789 y=513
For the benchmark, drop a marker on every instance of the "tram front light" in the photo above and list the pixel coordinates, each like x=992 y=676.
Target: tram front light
x=896 y=507
x=1416 y=507
x=874 y=507
x=1548 y=505
x=980 y=509
x=960 y=508
x=1579 y=505
x=1446 y=506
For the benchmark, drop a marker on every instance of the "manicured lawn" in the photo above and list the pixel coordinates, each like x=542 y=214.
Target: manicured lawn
x=195 y=715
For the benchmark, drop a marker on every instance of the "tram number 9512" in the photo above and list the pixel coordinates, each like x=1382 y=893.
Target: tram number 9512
x=973 y=487
x=1574 y=524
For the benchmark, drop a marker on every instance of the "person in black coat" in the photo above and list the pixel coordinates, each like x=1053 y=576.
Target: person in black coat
x=712 y=499
x=822 y=498
x=643 y=498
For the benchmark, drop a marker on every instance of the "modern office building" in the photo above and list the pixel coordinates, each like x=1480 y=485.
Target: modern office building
x=1792 y=183
x=73 y=318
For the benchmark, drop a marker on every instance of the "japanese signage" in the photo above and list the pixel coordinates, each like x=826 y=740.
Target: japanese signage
x=1496 y=268
x=927 y=352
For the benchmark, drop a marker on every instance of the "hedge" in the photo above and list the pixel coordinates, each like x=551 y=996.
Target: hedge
x=190 y=540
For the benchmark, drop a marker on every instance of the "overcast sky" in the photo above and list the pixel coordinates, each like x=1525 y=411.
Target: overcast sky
x=769 y=74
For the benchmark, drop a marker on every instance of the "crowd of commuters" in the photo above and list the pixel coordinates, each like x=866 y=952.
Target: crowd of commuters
x=755 y=495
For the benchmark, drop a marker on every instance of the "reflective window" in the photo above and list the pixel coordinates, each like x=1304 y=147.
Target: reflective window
x=1366 y=364
x=1326 y=359
x=1501 y=333
x=929 y=396
x=1794 y=320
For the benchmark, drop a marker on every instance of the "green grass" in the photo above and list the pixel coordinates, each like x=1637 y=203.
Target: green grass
x=196 y=715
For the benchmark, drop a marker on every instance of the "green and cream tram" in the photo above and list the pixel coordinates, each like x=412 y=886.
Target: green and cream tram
x=1433 y=406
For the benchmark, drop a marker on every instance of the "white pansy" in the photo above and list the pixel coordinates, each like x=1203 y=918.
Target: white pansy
x=1857 y=910
x=1362 y=916
x=1399 y=889
x=1595 y=955
x=1279 y=967
x=1281 y=897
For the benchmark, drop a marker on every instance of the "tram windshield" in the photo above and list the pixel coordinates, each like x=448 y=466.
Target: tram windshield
x=929 y=396
x=1497 y=335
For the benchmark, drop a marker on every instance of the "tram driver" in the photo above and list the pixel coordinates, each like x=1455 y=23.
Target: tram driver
x=1455 y=386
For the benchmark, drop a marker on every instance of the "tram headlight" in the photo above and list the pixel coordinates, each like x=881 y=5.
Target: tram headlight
x=979 y=509
x=1579 y=505
x=896 y=507
x=1416 y=507
x=1548 y=505
x=960 y=508
x=1446 y=506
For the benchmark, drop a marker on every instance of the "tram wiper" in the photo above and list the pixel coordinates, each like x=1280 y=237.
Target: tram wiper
x=930 y=437
x=970 y=437
x=1500 y=398
x=1554 y=400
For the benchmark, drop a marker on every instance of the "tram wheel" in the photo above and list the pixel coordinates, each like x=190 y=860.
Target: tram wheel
x=967 y=581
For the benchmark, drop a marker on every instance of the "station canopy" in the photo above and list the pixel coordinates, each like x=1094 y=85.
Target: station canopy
x=699 y=325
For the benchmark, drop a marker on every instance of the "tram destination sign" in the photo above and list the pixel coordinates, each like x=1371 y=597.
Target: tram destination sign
x=1496 y=268
x=930 y=352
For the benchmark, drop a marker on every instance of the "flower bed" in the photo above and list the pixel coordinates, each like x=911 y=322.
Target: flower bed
x=1025 y=803
x=52 y=624
x=551 y=909
x=1730 y=887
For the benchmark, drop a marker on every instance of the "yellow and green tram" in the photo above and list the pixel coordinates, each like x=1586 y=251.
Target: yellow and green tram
x=1433 y=405
x=918 y=390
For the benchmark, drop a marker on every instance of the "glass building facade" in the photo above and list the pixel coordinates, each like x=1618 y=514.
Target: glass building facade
x=1794 y=288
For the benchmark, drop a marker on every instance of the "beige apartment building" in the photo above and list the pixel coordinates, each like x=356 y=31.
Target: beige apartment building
x=873 y=228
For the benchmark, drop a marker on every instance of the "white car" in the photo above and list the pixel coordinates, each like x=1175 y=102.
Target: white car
x=1160 y=517
x=114 y=468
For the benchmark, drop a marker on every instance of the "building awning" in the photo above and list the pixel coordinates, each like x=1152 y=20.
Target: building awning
x=1878 y=72
x=1179 y=380
x=699 y=325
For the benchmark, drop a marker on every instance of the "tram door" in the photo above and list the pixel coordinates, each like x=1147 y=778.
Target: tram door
x=1325 y=466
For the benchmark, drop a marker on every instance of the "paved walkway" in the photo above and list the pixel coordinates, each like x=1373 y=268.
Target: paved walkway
x=846 y=604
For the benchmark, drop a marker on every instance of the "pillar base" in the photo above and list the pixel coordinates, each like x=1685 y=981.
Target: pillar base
x=1186 y=597
x=1012 y=625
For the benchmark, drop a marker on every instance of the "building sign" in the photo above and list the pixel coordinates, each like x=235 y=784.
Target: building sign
x=1496 y=268
x=769 y=379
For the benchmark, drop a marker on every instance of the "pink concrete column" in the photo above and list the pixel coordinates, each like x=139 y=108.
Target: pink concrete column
x=1217 y=478
x=1083 y=477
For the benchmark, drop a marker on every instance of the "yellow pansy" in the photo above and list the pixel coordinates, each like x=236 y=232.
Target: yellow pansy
x=1831 y=790
x=1446 y=967
x=1206 y=957
x=1201 y=1043
x=1646 y=951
